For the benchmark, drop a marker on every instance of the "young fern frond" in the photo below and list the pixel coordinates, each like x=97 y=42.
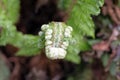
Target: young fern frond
x=57 y=39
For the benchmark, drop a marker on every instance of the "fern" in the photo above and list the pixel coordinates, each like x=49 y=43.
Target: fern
x=81 y=21
x=79 y=18
x=11 y=9
x=28 y=44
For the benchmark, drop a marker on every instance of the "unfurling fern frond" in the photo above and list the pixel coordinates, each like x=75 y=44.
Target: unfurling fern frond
x=57 y=37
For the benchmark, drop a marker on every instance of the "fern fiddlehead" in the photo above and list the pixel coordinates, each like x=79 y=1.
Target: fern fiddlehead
x=57 y=36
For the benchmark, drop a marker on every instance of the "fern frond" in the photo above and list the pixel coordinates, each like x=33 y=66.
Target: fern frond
x=11 y=8
x=28 y=44
x=79 y=18
x=81 y=21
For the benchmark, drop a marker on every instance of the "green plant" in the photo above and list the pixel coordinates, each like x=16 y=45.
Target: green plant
x=79 y=19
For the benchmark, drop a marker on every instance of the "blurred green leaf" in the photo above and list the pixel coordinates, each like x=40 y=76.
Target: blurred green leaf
x=105 y=58
x=28 y=44
x=31 y=45
x=113 y=68
x=12 y=9
x=73 y=58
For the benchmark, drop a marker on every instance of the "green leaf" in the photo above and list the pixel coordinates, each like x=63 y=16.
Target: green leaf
x=73 y=58
x=31 y=45
x=28 y=44
x=12 y=9
x=80 y=16
x=105 y=58
x=84 y=45
x=81 y=21
x=113 y=68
